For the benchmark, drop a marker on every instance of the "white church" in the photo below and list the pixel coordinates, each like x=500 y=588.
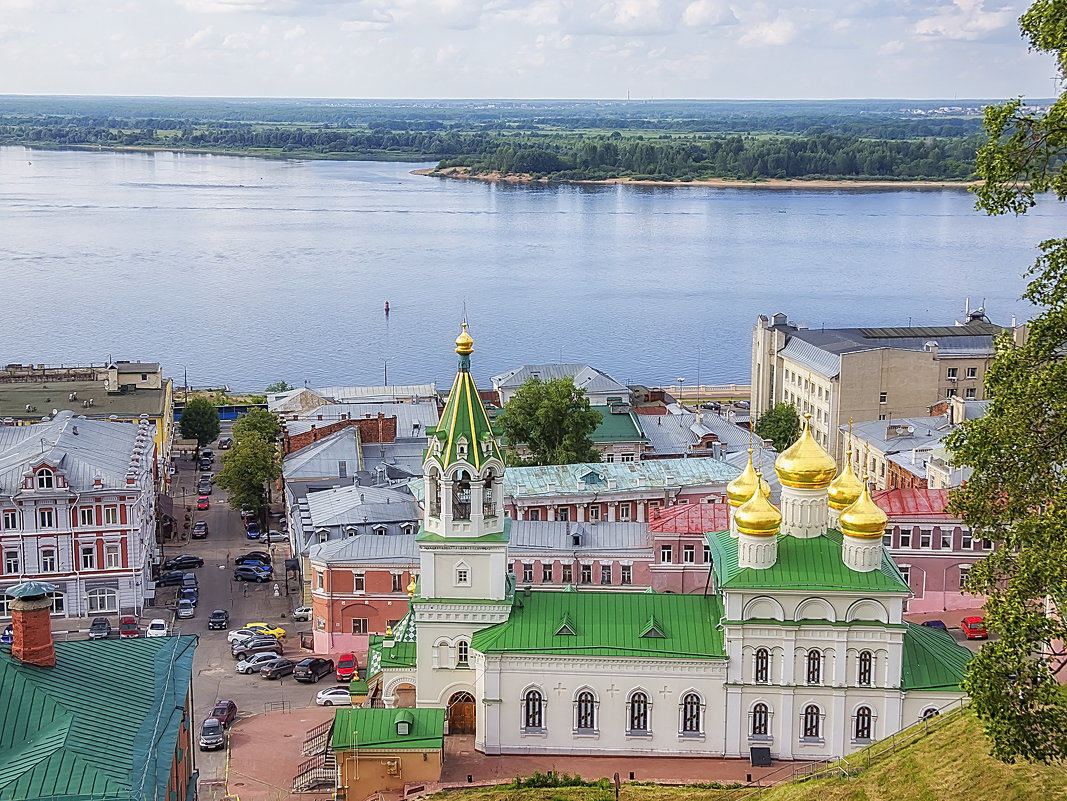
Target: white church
x=798 y=644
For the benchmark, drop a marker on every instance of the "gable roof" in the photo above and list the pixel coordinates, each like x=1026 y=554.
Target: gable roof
x=319 y=459
x=356 y=504
x=586 y=378
x=368 y=729
x=690 y=518
x=932 y=660
x=51 y=741
x=901 y=503
x=564 y=479
x=607 y=624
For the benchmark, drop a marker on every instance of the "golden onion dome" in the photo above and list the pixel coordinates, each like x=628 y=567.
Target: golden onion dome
x=744 y=486
x=758 y=516
x=804 y=464
x=464 y=343
x=864 y=518
x=846 y=489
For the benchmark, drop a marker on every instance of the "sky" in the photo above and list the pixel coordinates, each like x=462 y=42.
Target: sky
x=604 y=49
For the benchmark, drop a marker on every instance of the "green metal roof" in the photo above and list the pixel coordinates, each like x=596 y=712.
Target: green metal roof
x=102 y=724
x=802 y=564
x=616 y=427
x=464 y=417
x=933 y=660
x=361 y=729
x=607 y=624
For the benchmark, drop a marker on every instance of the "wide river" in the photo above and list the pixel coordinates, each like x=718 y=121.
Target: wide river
x=248 y=271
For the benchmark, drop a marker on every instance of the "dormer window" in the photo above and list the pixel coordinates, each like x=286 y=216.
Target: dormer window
x=45 y=478
x=461 y=448
x=402 y=728
x=380 y=530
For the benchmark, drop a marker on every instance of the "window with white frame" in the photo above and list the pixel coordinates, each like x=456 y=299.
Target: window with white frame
x=546 y=573
x=946 y=539
x=594 y=513
x=760 y=720
x=953 y=372
x=59 y=601
x=972 y=372
x=624 y=512
x=966 y=542
x=566 y=573
x=45 y=478
x=970 y=393
x=12 y=563
x=814 y=667
x=11 y=519
x=666 y=554
x=637 y=716
x=463 y=575
x=88 y=554
x=905 y=572
x=112 y=556
x=358 y=582
x=359 y=625
x=812 y=723
x=965 y=571
x=862 y=729
x=48 y=560
x=111 y=515
x=585 y=713
x=762 y=665
x=563 y=513
x=320 y=580
x=926 y=536
x=587 y=573
x=527 y=572
x=627 y=457
x=689 y=554
x=887 y=539
x=398 y=582
x=626 y=574
x=103 y=599
x=905 y=538
x=609 y=458
x=692 y=717
x=865 y=673
x=533 y=514
x=46 y=518
x=707 y=554
x=533 y=711
x=86 y=516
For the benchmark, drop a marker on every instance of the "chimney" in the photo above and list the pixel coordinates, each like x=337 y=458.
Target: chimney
x=31 y=623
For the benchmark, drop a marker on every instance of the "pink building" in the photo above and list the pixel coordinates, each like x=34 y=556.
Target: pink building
x=681 y=558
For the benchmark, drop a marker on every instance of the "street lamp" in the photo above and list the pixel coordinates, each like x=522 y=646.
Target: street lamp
x=385 y=364
x=185 y=368
x=681 y=388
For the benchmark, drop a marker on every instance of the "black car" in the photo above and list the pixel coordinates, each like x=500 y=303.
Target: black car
x=253 y=556
x=251 y=573
x=218 y=619
x=170 y=578
x=276 y=668
x=312 y=669
x=200 y=530
x=256 y=645
x=100 y=629
x=225 y=444
x=204 y=487
x=183 y=562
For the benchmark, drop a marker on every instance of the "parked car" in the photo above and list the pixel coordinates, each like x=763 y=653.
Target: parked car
x=935 y=624
x=202 y=502
x=253 y=663
x=333 y=696
x=100 y=628
x=128 y=627
x=190 y=594
x=274 y=536
x=208 y=454
x=186 y=608
x=205 y=464
x=183 y=562
x=974 y=628
x=203 y=487
x=225 y=712
x=303 y=613
x=240 y=635
x=190 y=581
x=253 y=556
x=252 y=531
x=255 y=645
x=346 y=667
x=266 y=628
x=218 y=619
x=251 y=573
x=249 y=515
x=212 y=735
x=157 y=628
x=312 y=669
x=200 y=530
x=170 y=578
x=225 y=444
x=208 y=476
x=276 y=668
x=8 y=636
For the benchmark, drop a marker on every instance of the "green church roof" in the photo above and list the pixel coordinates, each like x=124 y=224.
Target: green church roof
x=464 y=425
x=932 y=660
x=377 y=729
x=802 y=564
x=102 y=724
x=607 y=624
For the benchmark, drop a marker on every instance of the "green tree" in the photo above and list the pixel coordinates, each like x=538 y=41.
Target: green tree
x=260 y=421
x=247 y=470
x=1017 y=495
x=553 y=420
x=199 y=421
x=279 y=386
x=780 y=424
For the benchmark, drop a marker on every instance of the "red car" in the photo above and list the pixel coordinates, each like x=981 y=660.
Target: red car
x=346 y=667
x=225 y=712
x=974 y=628
x=128 y=627
x=202 y=502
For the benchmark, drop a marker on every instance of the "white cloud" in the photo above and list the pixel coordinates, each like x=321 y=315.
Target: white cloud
x=294 y=33
x=708 y=13
x=779 y=31
x=891 y=48
x=629 y=17
x=201 y=37
x=965 y=20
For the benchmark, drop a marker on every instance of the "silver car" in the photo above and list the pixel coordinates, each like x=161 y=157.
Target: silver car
x=254 y=662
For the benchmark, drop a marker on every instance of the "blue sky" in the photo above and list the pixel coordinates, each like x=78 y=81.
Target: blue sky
x=520 y=49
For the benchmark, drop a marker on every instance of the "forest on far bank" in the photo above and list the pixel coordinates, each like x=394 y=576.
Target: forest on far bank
x=557 y=140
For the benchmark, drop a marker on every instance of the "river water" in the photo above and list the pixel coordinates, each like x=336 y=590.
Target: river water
x=248 y=271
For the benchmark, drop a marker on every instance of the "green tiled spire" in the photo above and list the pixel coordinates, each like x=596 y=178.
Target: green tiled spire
x=464 y=433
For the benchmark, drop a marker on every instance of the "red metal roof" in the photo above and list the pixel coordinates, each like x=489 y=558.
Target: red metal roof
x=650 y=409
x=691 y=518
x=913 y=502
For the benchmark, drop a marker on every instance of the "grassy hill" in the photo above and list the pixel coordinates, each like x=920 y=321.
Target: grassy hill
x=951 y=764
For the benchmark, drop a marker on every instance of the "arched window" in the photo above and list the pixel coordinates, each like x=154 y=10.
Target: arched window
x=863 y=723
x=533 y=710
x=638 y=713
x=435 y=494
x=812 y=722
x=691 y=714
x=461 y=496
x=103 y=600
x=462 y=653
x=763 y=666
x=45 y=478
x=930 y=712
x=585 y=710
x=866 y=669
x=488 y=507
x=814 y=667
x=760 y=720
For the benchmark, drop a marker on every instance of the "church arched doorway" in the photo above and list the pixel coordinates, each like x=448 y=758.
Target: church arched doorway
x=460 y=713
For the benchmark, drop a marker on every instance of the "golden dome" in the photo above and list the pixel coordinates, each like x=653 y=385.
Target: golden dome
x=864 y=518
x=758 y=516
x=846 y=489
x=464 y=343
x=804 y=464
x=744 y=486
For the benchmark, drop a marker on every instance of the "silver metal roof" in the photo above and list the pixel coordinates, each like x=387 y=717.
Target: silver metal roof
x=812 y=357
x=585 y=377
x=412 y=419
x=399 y=550
x=320 y=459
x=354 y=505
x=529 y=537
x=658 y=474
x=882 y=434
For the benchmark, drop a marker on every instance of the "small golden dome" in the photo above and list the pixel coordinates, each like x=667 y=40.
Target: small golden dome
x=464 y=343
x=846 y=489
x=864 y=518
x=758 y=516
x=804 y=464
x=744 y=486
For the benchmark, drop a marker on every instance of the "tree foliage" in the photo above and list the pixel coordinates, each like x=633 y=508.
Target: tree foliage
x=553 y=420
x=247 y=468
x=1017 y=495
x=780 y=424
x=279 y=386
x=199 y=421
x=259 y=420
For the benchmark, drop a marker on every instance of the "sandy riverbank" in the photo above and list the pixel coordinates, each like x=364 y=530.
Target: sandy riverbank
x=716 y=183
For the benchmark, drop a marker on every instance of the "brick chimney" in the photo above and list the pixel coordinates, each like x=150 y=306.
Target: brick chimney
x=31 y=623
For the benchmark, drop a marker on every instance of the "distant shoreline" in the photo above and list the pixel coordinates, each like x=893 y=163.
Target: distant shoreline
x=461 y=173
